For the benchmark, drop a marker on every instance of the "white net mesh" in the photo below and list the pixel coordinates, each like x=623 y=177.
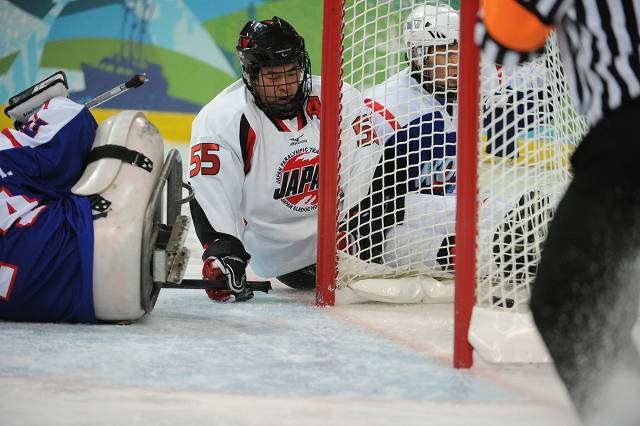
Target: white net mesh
x=405 y=222
x=402 y=57
x=528 y=131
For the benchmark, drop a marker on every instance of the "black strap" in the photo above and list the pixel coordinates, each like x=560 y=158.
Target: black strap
x=100 y=205
x=121 y=153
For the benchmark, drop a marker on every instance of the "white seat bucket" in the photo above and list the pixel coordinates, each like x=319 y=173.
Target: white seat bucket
x=118 y=234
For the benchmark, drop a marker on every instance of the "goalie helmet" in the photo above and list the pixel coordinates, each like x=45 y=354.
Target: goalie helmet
x=429 y=25
x=426 y=28
x=274 y=43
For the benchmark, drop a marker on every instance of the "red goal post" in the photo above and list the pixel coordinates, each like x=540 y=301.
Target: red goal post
x=466 y=218
x=329 y=146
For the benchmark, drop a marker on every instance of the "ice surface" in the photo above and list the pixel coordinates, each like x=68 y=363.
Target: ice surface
x=276 y=360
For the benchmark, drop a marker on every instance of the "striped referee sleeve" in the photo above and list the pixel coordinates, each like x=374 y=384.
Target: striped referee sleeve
x=549 y=12
x=599 y=43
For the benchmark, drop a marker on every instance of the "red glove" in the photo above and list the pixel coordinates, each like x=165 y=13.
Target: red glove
x=233 y=269
x=210 y=271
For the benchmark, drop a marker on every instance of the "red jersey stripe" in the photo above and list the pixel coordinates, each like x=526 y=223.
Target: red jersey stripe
x=251 y=141
x=301 y=120
x=11 y=138
x=384 y=112
x=281 y=124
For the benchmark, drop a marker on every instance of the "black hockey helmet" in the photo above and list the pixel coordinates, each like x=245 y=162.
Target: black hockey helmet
x=272 y=43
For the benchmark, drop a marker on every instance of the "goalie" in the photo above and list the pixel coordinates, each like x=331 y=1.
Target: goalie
x=72 y=199
x=412 y=203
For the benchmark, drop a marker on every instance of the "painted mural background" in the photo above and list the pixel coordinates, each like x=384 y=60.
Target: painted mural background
x=186 y=47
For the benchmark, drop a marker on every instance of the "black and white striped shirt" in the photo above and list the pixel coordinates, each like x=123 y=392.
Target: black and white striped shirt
x=599 y=42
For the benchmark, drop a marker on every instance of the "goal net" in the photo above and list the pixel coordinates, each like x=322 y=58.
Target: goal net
x=398 y=242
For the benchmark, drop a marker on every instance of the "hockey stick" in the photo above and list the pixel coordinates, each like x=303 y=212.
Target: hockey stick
x=135 y=81
x=263 y=286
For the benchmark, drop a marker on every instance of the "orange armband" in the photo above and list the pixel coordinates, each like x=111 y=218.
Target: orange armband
x=513 y=26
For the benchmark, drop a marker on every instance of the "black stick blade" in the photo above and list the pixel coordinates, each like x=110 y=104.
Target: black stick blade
x=263 y=286
x=136 y=81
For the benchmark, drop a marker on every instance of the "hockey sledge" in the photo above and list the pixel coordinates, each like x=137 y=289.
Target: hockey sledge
x=137 y=196
x=164 y=256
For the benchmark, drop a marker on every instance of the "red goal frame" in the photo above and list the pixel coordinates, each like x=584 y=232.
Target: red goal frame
x=466 y=219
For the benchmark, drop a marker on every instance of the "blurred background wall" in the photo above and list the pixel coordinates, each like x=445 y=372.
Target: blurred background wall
x=186 y=47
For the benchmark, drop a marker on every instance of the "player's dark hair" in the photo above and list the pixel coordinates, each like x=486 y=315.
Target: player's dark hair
x=271 y=43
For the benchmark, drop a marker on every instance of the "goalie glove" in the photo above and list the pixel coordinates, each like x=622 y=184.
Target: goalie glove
x=233 y=269
x=23 y=105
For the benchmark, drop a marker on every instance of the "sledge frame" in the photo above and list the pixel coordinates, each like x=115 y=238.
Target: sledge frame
x=154 y=229
x=164 y=257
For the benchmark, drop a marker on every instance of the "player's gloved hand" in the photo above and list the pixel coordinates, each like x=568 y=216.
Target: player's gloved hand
x=233 y=269
x=345 y=241
x=361 y=236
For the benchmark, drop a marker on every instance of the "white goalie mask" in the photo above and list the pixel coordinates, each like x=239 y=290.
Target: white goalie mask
x=426 y=28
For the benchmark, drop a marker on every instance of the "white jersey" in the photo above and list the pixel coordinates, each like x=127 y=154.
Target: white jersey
x=256 y=177
x=421 y=128
x=406 y=100
x=405 y=114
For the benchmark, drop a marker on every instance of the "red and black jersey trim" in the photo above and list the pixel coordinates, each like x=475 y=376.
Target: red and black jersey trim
x=247 y=143
x=302 y=120
x=282 y=126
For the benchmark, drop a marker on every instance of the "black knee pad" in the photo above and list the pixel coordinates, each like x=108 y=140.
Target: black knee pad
x=303 y=278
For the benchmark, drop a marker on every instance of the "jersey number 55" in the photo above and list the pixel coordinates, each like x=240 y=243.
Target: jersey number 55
x=203 y=159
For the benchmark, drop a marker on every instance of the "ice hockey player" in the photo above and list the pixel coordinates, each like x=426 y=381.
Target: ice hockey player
x=254 y=164
x=586 y=293
x=48 y=232
x=415 y=113
x=46 y=240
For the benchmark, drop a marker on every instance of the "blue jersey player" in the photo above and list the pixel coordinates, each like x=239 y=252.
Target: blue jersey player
x=412 y=203
x=46 y=232
x=415 y=113
x=73 y=202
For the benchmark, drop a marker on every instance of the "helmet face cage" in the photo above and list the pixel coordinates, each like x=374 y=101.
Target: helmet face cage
x=431 y=35
x=275 y=66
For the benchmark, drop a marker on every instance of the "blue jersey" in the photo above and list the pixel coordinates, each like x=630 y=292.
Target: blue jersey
x=425 y=153
x=46 y=232
x=419 y=131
